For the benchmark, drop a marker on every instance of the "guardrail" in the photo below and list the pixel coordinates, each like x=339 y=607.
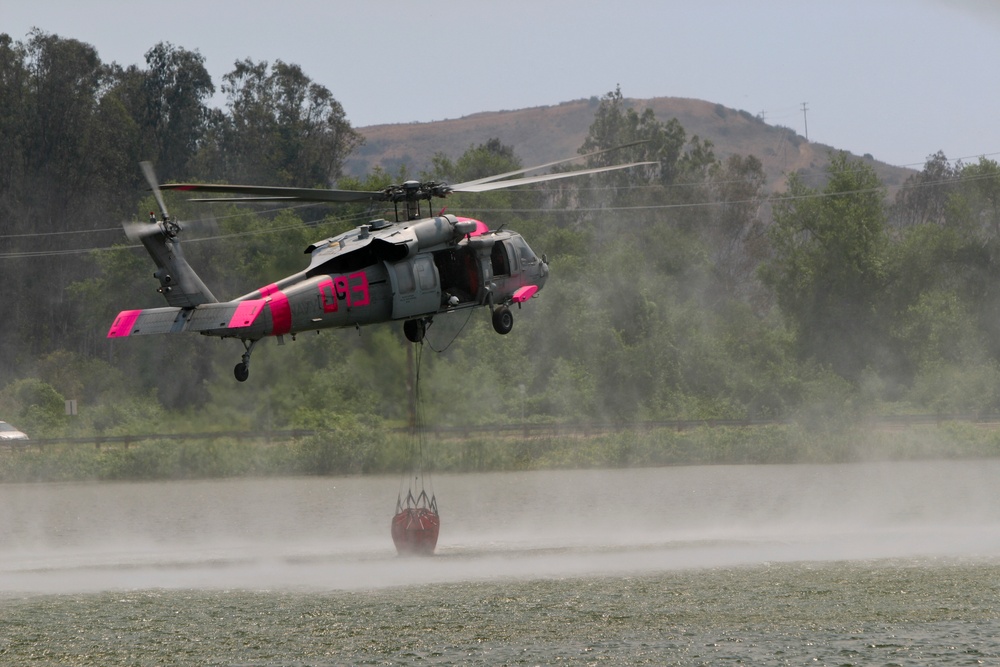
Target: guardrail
x=526 y=430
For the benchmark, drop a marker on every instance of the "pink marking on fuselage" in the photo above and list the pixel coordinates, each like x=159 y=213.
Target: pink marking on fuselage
x=122 y=326
x=268 y=290
x=481 y=227
x=246 y=313
x=281 y=313
x=327 y=295
x=352 y=289
x=524 y=293
x=360 y=296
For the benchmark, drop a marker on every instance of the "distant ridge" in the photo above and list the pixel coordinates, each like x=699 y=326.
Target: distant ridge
x=547 y=133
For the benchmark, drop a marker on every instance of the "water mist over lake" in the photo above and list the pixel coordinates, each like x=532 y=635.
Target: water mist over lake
x=333 y=533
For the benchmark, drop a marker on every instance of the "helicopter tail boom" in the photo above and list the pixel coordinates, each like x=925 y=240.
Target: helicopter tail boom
x=234 y=318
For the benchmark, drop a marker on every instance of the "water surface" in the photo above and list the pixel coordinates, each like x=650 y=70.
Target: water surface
x=839 y=565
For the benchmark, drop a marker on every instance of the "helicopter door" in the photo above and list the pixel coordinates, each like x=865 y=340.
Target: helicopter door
x=416 y=289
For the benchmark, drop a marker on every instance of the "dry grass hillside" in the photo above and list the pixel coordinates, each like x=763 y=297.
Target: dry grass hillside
x=544 y=134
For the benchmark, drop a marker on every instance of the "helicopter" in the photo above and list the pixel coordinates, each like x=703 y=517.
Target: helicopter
x=409 y=269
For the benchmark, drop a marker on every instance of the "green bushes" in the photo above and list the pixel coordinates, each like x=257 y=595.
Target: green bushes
x=354 y=446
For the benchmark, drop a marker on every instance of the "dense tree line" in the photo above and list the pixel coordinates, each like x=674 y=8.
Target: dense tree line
x=72 y=130
x=680 y=289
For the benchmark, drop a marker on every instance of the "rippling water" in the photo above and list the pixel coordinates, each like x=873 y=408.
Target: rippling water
x=837 y=565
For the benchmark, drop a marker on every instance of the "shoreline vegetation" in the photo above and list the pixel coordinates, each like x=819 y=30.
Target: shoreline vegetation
x=360 y=449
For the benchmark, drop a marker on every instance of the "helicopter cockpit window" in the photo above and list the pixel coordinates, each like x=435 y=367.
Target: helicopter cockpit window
x=500 y=260
x=523 y=251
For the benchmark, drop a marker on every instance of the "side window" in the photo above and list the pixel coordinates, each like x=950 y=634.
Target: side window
x=499 y=259
x=404 y=278
x=424 y=268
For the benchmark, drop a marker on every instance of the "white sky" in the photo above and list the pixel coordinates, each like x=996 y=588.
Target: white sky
x=900 y=79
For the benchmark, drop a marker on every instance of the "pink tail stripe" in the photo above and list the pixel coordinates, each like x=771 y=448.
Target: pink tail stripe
x=524 y=293
x=122 y=326
x=246 y=313
x=281 y=313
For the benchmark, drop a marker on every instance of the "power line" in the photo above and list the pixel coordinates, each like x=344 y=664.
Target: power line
x=957 y=180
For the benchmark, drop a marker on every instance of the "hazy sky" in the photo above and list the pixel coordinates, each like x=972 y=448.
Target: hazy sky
x=900 y=79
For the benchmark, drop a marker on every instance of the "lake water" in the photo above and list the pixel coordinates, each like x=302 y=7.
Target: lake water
x=839 y=565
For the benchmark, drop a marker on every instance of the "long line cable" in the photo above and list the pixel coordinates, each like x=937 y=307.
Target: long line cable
x=416 y=472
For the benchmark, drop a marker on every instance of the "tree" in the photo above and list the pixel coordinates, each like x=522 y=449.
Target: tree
x=282 y=128
x=13 y=117
x=488 y=159
x=174 y=116
x=617 y=124
x=980 y=186
x=736 y=232
x=64 y=76
x=829 y=266
x=48 y=96
x=924 y=196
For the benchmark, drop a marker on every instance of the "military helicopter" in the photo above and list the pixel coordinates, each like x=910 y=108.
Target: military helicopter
x=409 y=269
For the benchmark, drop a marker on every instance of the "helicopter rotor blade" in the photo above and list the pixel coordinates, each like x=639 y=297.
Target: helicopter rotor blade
x=271 y=193
x=460 y=187
x=409 y=191
x=147 y=170
x=499 y=185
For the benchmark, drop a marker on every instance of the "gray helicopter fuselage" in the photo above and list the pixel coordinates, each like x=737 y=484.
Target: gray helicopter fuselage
x=392 y=271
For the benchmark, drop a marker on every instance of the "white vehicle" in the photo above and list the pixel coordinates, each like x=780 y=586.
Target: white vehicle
x=8 y=432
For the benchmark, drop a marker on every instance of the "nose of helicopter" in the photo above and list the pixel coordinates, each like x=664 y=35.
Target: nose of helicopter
x=543 y=271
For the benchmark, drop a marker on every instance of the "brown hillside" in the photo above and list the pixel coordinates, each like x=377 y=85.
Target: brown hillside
x=544 y=134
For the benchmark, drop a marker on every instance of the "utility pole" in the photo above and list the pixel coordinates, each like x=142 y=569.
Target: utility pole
x=805 y=118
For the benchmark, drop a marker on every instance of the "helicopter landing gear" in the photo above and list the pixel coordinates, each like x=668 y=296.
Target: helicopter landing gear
x=503 y=320
x=242 y=369
x=414 y=330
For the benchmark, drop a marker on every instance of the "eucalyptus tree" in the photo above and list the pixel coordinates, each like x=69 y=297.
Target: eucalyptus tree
x=175 y=90
x=281 y=128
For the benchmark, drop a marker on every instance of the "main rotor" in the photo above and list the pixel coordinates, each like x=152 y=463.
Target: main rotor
x=409 y=192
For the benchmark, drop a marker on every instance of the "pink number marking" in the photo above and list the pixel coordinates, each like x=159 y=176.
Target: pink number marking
x=360 y=290
x=327 y=296
x=331 y=290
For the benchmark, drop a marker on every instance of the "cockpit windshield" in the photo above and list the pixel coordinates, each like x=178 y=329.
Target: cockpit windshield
x=522 y=250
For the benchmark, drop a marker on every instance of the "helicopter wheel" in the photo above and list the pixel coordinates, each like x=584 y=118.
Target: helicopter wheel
x=242 y=369
x=503 y=320
x=414 y=330
x=242 y=372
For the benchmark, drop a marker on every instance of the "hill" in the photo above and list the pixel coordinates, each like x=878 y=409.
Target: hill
x=546 y=133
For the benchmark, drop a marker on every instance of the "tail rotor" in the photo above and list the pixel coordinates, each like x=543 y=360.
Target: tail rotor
x=179 y=284
x=135 y=231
